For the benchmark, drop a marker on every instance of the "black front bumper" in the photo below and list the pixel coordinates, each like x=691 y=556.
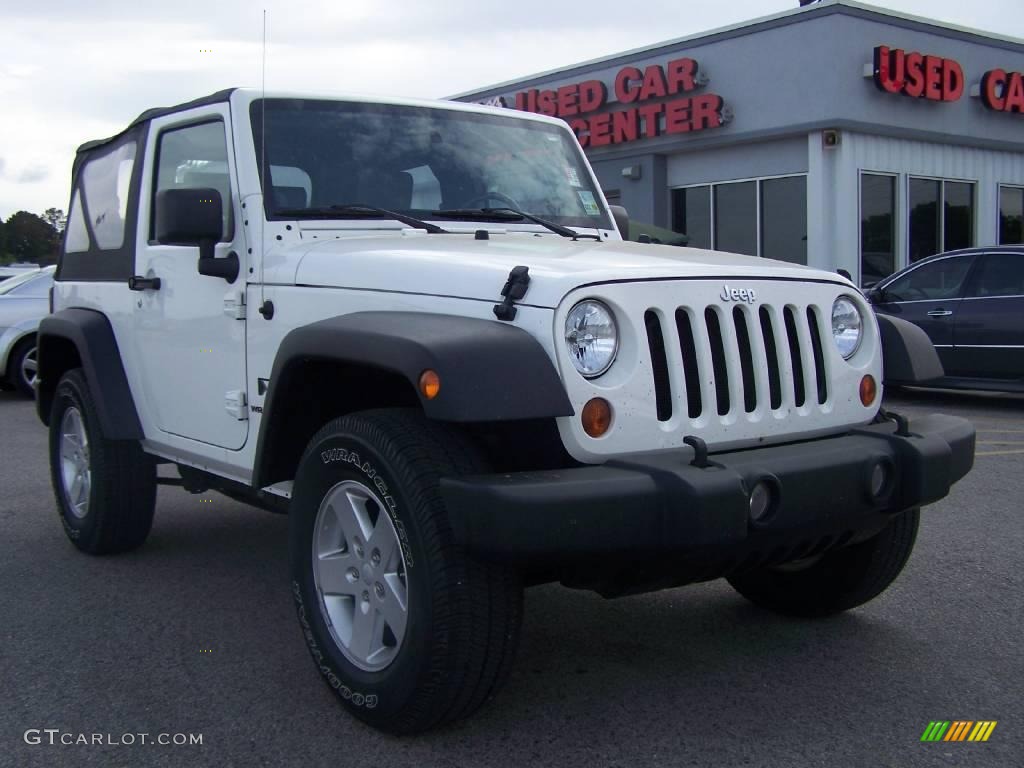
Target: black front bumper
x=661 y=503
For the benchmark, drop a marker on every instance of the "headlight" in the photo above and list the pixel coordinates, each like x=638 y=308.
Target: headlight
x=847 y=326
x=591 y=337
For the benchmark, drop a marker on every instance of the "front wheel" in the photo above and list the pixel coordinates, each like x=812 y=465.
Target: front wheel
x=403 y=625
x=837 y=581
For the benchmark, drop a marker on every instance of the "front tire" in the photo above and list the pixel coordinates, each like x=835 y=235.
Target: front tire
x=22 y=369
x=840 y=580
x=407 y=629
x=105 y=489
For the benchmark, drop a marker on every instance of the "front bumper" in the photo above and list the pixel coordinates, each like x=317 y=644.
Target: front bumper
x=661 y=504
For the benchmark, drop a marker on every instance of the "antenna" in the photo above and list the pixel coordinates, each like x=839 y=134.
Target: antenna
x=267 y=310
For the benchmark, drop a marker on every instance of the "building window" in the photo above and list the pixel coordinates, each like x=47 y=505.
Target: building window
x=760 y=217
x=1011 y=215
x=932 y=232
x=784 y=219
x=736 y=217
x=877 y=227
x=691 y=215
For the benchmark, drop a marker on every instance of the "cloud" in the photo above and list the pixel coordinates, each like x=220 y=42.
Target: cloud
x=34 y=173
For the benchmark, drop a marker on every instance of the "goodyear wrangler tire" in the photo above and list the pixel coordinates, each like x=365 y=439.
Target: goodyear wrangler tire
x=841 y=579
x=407 y=630
x=105 y=489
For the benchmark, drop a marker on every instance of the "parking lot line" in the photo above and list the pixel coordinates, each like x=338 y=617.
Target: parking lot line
x=997 y=453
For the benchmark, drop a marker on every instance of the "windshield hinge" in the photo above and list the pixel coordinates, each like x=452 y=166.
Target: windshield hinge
x=234 y=304
x=514 y=290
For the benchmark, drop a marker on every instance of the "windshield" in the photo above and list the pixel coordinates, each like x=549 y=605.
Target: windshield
x=8 y=285
x=421 y=160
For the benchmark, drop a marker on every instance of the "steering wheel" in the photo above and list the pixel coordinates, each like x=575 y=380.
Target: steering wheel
x=473 y=201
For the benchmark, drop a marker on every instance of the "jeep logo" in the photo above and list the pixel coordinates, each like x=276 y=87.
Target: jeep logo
x=738 y=294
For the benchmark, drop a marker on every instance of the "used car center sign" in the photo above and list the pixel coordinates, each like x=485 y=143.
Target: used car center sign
x=653 y=100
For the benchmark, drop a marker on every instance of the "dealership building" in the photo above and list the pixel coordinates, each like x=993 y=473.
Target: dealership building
x=837 y=135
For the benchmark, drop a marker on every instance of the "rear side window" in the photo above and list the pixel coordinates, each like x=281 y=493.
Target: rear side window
x=105 y=183
x=999 y=274
x=942 y=279
x=76 y=239
x=195 y=156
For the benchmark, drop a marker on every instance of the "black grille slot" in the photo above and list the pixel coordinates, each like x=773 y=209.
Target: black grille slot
x=688 y=348
x=774 y=380
x=746 y=359
x=819 y=357
x=794 y=355
x=718 y=360
x=659 y=366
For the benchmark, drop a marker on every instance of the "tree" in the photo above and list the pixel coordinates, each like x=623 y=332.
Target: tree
x=55 y=218
x=30 y=238
x=3 y=240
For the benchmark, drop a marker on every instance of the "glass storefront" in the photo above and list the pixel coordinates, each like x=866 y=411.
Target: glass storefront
x=877 y=227
x=1011 y=215
x=760 y=217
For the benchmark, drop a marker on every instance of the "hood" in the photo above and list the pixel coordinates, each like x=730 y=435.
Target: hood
x=410 y=261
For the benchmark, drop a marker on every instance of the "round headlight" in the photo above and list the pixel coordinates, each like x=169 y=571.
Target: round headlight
x=591 y=337
x=847 y=326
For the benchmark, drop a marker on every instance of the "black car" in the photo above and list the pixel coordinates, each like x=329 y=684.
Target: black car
x=971 y=305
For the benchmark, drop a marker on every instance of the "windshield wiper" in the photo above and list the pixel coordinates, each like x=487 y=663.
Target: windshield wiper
x=358 y=211
x=511 y=214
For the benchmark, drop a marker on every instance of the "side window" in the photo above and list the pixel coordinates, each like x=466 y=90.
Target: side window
x=105 y=182
x=77 y=238
x=941 y=279
x=195 y=156
x=999 y=274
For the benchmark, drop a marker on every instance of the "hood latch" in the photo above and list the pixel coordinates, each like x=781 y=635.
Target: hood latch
x=514 y=290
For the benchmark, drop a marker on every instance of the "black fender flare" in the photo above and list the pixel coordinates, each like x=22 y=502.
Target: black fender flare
x=908 y=356
x=92 y=336
x=489 y=371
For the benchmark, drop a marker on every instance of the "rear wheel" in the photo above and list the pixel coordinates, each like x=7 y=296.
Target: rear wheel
x=22 y=368
x=105 y=489
x=837 y=581
x=403 y=625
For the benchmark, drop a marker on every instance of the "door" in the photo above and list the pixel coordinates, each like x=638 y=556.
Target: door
x=988 y=338
x=929 y=296
x=190 y=331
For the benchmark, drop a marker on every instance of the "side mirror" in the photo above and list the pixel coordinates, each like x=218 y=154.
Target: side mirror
x=194 y=216
x=875 y=295
x=189 y=216
x=621 y=220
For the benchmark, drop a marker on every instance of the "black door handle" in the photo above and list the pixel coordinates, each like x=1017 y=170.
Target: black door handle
x=137 y=283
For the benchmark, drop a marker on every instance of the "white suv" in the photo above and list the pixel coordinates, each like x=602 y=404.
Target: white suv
x=414 y=327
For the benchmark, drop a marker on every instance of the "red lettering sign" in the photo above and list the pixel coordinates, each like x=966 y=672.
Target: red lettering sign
x=577 y=103
x=1003 y=91
x=916 y=75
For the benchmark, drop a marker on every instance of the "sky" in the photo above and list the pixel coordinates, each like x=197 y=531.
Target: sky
x=75 y=70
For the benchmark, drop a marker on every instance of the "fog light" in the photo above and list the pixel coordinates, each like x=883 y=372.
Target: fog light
x=760 y=501
x=879 y=479
x=430 y=384
x=868 y=390
x=597 y=417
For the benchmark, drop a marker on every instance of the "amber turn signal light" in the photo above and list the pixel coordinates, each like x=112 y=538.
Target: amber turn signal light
x=597 y=417
x=868 y=390
x=430 y=384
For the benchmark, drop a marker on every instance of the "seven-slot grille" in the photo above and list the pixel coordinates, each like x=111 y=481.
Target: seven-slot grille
x=716 y=360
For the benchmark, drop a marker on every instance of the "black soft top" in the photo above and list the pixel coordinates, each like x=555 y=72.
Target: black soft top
x=149 y=114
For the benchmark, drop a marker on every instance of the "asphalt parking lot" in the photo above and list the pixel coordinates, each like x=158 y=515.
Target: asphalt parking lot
x=195 y=633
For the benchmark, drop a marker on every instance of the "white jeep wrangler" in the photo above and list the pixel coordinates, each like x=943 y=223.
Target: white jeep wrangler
x=415 y=328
